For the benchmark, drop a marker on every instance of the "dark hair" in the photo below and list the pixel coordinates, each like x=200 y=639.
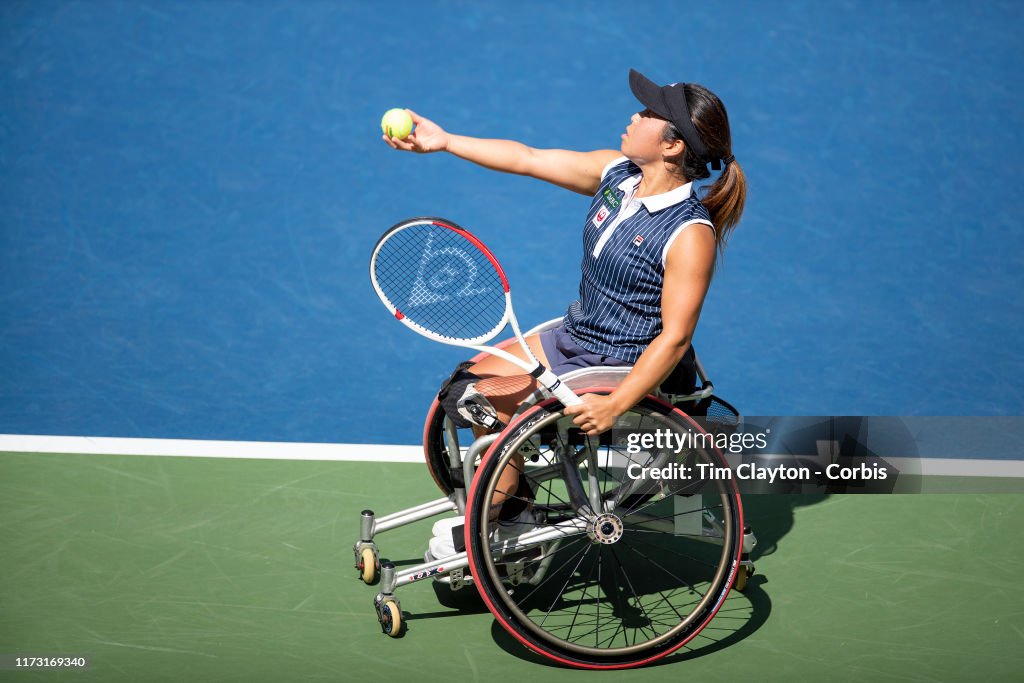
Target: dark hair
x=725 y=197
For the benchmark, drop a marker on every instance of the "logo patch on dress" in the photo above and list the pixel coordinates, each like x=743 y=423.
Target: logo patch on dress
x=638 y=240
x=612 y=199
x=602 y=214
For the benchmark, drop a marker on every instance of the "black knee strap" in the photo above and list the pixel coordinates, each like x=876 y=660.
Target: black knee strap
x=463 y=404
x=452 y=390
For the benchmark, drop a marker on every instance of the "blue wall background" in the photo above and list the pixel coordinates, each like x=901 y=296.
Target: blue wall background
x=189 y=193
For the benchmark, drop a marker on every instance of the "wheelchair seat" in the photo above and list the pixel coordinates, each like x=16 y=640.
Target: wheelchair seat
x=679 y=386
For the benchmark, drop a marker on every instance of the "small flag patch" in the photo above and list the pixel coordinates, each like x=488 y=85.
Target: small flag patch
x=638 y=240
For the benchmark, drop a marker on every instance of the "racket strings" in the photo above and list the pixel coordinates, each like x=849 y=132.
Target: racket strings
x=440 y=281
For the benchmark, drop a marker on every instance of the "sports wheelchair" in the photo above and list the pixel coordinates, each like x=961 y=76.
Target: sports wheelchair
x=614 y=560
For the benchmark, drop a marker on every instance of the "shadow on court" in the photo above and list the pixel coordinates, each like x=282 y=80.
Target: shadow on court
x=772 y=517
x=741 y=615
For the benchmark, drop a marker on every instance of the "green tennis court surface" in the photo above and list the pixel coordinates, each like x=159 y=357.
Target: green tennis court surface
x=165 y=568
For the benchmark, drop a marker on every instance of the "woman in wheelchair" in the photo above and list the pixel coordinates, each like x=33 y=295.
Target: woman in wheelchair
x=576 y=558
x=649 y=244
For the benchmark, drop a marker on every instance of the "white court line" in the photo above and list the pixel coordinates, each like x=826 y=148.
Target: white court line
x=960 y=467
x=262 y=450
x=282 y=450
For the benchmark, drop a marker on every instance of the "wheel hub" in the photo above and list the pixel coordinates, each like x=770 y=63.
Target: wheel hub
x=605 y=528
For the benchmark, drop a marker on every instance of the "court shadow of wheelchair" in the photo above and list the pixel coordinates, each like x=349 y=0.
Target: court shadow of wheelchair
x=631 y=590
x=741 y=615
x=571 y=587
x=816 y=442
x=772 y=516
x=772 y=512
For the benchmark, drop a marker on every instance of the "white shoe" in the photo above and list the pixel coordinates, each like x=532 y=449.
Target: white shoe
x=441 y=542
x=442 y=545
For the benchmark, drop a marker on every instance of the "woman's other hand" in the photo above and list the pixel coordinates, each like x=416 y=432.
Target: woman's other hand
x=596 y=414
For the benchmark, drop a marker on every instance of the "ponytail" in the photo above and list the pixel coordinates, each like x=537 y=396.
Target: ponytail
x=724 y=201
x=725 y=197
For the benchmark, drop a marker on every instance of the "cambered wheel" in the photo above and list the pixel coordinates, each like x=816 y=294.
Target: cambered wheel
x=617 y=586
x=435 y=448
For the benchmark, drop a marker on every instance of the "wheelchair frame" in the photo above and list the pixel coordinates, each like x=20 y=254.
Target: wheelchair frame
x=452 y=569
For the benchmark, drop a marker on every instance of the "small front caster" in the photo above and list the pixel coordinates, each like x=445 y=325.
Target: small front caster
x=369 y=565
x=389 y=614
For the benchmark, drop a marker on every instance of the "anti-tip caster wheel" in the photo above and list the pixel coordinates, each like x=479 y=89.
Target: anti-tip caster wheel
x=744 y=573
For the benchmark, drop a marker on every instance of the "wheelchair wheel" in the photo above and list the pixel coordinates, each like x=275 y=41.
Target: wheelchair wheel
x=435 y=448
x=604 y=569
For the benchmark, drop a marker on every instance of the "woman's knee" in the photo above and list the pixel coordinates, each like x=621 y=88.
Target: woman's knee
x=494 y=366
x=507 y=392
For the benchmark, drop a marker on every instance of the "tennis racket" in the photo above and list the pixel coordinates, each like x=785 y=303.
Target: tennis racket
x=444 y=283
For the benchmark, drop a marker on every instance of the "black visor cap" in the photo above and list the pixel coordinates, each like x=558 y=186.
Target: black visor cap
x=649 y=94
x=668 y=102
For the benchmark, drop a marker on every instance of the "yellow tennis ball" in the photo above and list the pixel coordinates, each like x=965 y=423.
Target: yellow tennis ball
x=396 y=123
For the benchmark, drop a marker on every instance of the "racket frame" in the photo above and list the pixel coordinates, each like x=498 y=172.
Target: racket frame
x=537 y=370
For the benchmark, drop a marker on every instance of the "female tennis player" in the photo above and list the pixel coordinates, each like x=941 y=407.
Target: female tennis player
x=649 y=242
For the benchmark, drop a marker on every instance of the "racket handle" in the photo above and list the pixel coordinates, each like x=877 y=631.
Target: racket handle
x=556 y=387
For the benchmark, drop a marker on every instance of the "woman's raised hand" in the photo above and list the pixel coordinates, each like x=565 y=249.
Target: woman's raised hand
x=426 y=137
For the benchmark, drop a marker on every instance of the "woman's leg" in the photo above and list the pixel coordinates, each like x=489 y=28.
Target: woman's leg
x=506 y=386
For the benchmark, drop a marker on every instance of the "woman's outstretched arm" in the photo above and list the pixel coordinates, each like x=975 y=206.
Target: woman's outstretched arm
x=576 y=171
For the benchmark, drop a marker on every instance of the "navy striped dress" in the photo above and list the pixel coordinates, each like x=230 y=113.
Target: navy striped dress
x=625 y=241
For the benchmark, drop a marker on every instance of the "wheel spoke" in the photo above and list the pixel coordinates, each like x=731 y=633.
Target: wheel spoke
x=635 y=526
x=675 y=552
x=564 y=586
x=641 y=593
x=641 y=554
x=633 y=511
x=548 y=578
x=583 y=598
x=705 y=508
x=631 y=590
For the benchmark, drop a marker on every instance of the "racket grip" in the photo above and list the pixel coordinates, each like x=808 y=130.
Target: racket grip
x=556 y=387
